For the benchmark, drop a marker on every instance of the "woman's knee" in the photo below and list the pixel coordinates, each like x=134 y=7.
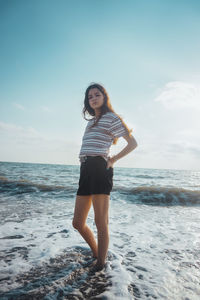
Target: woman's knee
x=77 y=224
x=101 y=223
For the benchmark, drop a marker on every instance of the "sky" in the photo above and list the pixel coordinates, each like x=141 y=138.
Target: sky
x=145 y=53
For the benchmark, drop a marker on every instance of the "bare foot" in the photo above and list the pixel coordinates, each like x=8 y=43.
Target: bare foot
x=96 y=268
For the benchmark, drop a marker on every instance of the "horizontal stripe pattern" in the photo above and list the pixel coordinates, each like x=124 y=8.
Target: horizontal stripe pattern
x=98 y=139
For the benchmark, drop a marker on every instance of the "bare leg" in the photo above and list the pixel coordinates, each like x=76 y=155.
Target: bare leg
x=101 y=207
x=82 y=207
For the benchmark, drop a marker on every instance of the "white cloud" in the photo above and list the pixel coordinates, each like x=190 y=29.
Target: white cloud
x=177 y=94
x=46 y=109
x=169 y=154
x=27 y=144
x=22 y=107
x=14 y=130
x=19 y=106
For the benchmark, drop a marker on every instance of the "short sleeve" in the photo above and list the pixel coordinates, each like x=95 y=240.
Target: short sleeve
x=117 y=128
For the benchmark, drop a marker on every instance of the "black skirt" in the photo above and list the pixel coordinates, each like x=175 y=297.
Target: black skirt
x=95 y=178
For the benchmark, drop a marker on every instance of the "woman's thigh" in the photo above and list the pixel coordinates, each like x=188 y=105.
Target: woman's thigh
x=82 y=207
x=101 y=208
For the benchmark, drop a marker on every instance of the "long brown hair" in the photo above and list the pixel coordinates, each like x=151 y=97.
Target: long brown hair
x=106 y=107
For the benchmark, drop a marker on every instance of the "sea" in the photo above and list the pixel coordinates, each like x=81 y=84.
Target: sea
x=154 y=226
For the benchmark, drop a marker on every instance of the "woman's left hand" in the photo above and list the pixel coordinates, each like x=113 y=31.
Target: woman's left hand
x=110 y=162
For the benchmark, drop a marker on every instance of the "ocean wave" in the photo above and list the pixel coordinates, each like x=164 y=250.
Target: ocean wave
x=159 y=195
x=27 y=186
x=152 y=195
x=149 y=177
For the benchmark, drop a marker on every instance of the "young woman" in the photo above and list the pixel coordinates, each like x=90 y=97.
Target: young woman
x=96 y=170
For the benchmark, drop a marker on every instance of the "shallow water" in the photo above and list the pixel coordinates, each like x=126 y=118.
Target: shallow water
x=154 y=235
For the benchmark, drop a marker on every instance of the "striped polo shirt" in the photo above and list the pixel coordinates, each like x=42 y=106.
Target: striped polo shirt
x=98 y=139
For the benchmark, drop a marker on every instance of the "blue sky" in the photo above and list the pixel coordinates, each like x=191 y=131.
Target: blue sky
x=145 y=53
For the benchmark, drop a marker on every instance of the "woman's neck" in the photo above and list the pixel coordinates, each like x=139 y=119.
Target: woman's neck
x=97 y=113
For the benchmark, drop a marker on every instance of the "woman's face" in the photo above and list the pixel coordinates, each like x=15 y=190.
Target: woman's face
x=95 y=98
